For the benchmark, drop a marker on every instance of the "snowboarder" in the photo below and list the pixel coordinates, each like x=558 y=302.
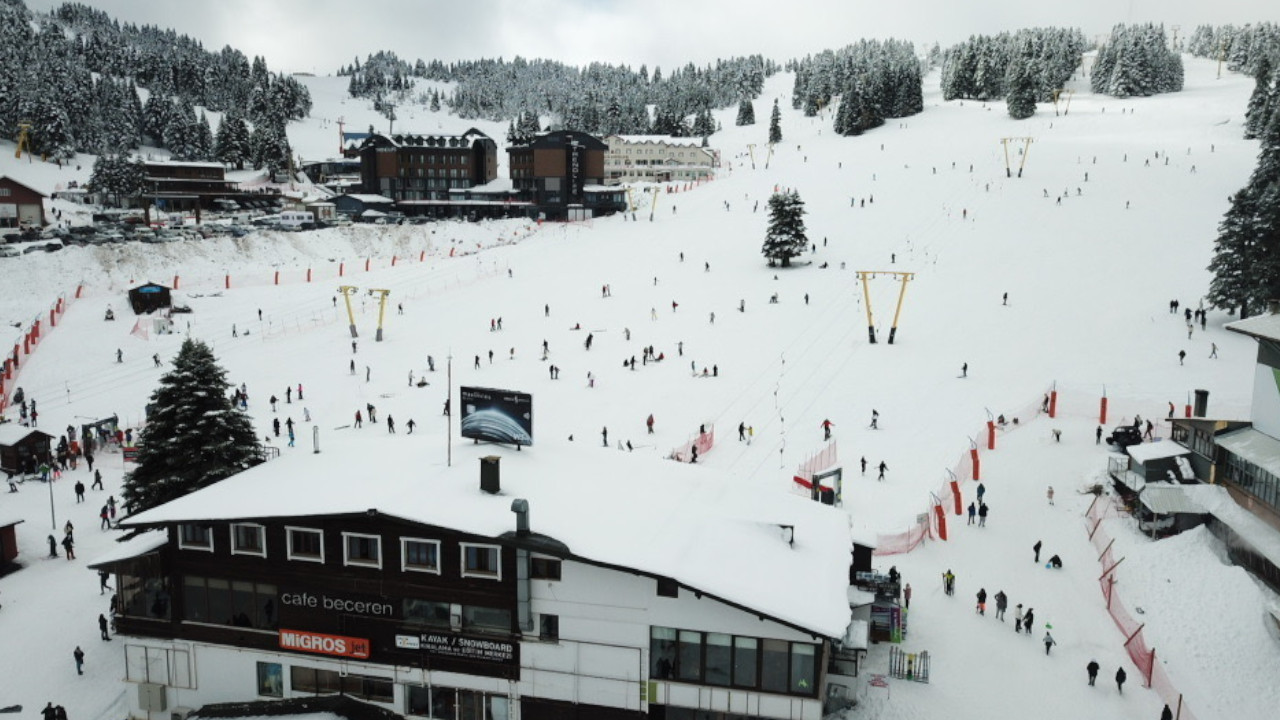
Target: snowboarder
x=1002 y=602
x=1092 y=668
x=1049 y=642
x=78 y=654
x=1036 y=547
x=1055 y=562
x=981 y=609
x=102 y=626
x=826 y=429
x=1120 y=678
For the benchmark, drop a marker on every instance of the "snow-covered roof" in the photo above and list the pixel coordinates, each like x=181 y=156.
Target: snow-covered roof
x=857 y=635
x=859 y=597
x=704 y=529
x=1253 y=445
x=1146 y=452
x=1218 y=502
x=658 y=140
x=7 y=520
x=370 y=199
x=13 y=433
x=1260 y=326
x=136 y=546
x=184 y=163
x=1167 y=499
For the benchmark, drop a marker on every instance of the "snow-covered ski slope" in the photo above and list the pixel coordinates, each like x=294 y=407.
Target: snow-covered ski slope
x=1088 y=281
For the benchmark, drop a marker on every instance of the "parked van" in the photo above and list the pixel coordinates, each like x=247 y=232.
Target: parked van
x=294 y=219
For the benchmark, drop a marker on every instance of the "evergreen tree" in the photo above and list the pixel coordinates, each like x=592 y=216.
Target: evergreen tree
x=194 y=437
x=746 y=113
x=1021 y=93
x=1246 y=255
x=435 y=101
x=232 y=144
x=775 y=126
x=786 y=237
x=1259 y=109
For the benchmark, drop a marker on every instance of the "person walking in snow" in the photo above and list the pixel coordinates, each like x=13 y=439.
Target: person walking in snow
x=982 y=515
x=79 y=491
x=1092 y=668
x=982 y=490
x=1049 y=493
x=1017 y=618
x=78 y=654
x=949 y=582
x=982 y=601
x=360 y=418
x=973 y=512
x=906 y=596
x=1182 y=355
x=275 y=426
x=875 y=419
x=1037 y=547
x=1049 y=642
x=1002 y=602
x=69 y=547
x=1028 y=619
x=742 y=431
x=102 y=627
x=391 y=425
x=604 y=436
x=1166 y=713
x=826 y=429
x=648 y=423
x=1120 y=678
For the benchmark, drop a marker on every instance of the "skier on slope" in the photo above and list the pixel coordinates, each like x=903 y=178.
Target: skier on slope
x=826 y=429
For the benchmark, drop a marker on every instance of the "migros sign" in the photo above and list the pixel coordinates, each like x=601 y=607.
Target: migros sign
x=323 y=644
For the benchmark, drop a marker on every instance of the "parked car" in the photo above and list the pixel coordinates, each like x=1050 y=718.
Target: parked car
x=1124 y=435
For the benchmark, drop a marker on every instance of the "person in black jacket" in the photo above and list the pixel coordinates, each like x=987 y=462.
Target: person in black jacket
x=1120 y=678
x=1092 y=669
x=1166 y=714
x=102 y=626
x=1027 y=619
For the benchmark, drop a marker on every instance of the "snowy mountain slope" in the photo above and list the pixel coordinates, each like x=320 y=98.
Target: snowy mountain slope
x=1088 y=283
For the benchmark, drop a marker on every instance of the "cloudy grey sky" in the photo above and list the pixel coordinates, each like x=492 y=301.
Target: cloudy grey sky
x=319 y=35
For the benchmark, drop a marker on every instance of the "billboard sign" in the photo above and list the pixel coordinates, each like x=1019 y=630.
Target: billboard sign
x=323 y=644
x=501 y=416
x=461 y=647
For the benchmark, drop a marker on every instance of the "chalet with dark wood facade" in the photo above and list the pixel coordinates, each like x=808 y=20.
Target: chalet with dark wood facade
x=562 y=174
x=20 y=205
x=412 y=166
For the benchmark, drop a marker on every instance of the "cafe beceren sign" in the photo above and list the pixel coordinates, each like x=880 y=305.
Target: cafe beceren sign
x=371 y=607
x=461 y=647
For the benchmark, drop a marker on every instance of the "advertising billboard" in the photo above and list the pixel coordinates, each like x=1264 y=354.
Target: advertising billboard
x=501 y=416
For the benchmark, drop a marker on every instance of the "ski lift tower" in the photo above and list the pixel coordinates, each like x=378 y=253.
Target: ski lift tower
x=865 y=276
x=1026 y=150
x=382 y=308
x=347 y=291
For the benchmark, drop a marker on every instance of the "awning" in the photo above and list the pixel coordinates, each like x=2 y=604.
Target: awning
x=1169 y=500
x=134 y=547
x=1254 y=446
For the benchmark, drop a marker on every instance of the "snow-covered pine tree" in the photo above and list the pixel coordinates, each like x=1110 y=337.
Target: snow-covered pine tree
x=746 y=113
x=1246 y=256
x=785 y=237
x=194 y=437
x=775 y=125
x=1259 y=108
x=231 y=147
x=1020 y=93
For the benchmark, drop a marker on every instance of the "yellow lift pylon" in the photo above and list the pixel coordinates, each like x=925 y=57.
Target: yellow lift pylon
x=347 y=291
x=865 y=276
x=1026 y=150
x=382 y=309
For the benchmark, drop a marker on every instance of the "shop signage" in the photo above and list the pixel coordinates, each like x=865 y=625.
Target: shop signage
x=461 y=647
x=323 y=644
x=369 y=606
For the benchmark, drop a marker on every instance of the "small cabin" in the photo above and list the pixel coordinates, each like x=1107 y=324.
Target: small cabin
x=1163 y=461
x=8 y=543
x=23 y=449
x=1164 y=509
x=148 y=298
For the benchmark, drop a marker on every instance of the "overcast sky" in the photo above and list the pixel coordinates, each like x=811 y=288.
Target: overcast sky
x=319 y=35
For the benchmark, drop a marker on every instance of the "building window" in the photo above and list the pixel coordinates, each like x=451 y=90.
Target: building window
x=195 y=537
x=271 y=679
x=719 y=658
x=481 y=561
x=426 y=612
x=549 y=627
x=773 y=666
x=330 y=682
x=140 y=597
x=305 y=544
x=222 y=602
x=420 y=555
x=662 y=653
x=363 y=550
x=803 y=668
x=689 y=656
x=544 y=568
x=745 y=651
x=248 y=539
x=5 y=192
x=484 y=619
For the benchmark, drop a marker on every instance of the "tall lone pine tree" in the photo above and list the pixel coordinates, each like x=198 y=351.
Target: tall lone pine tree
x=785 y=238
x=775 y=125
x=194 y=435
x=746 y=113
x=1246 y=255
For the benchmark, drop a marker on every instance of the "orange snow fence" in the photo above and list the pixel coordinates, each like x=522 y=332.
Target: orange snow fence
x=1102 y=411
x=973 y=455
x=175 y=282
x=955 y=493
x=1053 y=404
x=991 y=435
x=942 y=520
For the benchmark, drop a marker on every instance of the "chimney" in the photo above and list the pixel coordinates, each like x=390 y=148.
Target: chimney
x=520 y=507
x=489 y=475
x=1202 y=403
x=524 y=611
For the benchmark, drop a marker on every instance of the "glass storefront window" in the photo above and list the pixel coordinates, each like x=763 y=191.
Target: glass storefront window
x=744 y=661
x=484 y=619
x=662 y=653
x=803 y=668
x=270 y=679
x=689 y=665
x=718 y=659
x=773 y=666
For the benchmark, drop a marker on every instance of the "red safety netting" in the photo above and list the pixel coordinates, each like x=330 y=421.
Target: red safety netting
x=816 y=463
x=1143 y=657
x=16 y=359
x=704 y=441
